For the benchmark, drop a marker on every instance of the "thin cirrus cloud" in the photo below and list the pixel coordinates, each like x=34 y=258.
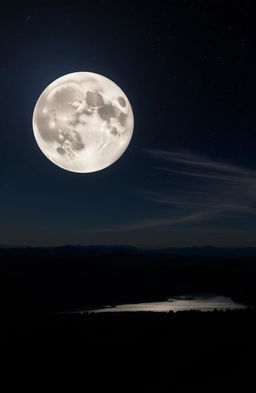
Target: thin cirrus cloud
x=217 y=190
x=220 y=189
x=193 y=160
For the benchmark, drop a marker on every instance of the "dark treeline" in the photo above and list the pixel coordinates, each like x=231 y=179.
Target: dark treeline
x=66 y=277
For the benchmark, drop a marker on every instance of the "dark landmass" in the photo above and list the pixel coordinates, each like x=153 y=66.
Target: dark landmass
x=125 y=352
x=75 y=276
x=131 y=352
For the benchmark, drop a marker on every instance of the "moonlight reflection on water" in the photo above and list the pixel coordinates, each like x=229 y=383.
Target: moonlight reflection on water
x=181 y=303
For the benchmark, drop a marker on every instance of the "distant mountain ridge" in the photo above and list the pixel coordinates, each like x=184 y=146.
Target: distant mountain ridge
x=126 y=249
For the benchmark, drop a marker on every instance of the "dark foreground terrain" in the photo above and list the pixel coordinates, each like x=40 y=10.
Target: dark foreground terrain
x=131 y=352
x=45 y=349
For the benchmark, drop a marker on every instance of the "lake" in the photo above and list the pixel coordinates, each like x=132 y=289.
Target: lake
x=177 y=303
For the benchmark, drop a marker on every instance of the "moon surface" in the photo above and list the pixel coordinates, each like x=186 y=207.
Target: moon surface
x=83 y=122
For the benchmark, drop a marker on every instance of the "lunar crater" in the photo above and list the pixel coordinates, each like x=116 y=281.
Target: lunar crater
x=122 y=102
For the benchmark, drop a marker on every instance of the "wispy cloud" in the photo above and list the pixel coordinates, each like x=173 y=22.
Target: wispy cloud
x=160 y=222
x=193 y=160
x=218 y=190
x=222 y=189
x=156 y=223
x=209 y=176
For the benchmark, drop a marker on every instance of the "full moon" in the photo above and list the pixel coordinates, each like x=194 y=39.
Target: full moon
x=83 y=122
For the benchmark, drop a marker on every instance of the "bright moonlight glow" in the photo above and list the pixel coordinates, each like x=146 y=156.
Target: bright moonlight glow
x=83 y=122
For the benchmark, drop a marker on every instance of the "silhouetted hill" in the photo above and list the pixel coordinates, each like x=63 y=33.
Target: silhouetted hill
x=113 y=249
x=77 y=276
x=213 y=251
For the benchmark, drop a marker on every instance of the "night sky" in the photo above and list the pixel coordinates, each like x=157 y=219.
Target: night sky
x=188 y=176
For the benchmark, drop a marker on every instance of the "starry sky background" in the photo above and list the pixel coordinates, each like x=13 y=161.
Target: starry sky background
x=188 y=176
